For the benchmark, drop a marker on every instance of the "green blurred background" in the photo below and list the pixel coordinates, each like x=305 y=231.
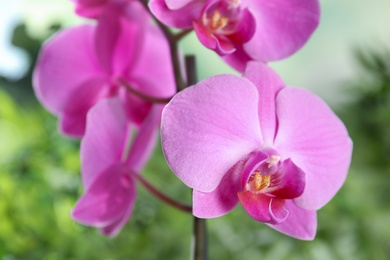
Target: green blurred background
x=347 y=62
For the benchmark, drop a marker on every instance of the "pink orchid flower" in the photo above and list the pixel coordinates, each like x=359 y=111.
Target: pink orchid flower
x=109 y=165
x=81 y=65
x=244 y=30
x=280 y=151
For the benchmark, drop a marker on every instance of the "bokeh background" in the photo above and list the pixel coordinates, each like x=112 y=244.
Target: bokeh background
x=346 y=62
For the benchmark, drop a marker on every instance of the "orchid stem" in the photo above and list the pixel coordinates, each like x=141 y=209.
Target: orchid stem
x=199 y=251
x=199 y=246
x=173 y=48
x=178 y=36
x=199 y=239
x=191 y=69
x=158 y=194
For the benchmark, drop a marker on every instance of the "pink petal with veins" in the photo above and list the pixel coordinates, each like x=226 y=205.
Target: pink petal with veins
x=107 y=200
x=221 y=130
x=316 y=140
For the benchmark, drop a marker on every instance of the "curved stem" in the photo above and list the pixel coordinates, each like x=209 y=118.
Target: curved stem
x=200 y=232
x=143 y=95
x=162 y=196
x=178 y=36
x=173 y=48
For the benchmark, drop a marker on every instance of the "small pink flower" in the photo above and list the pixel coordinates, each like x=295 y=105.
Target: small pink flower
x=278 y=150
x=81 y=65
x=244 y=30
x=109 y=165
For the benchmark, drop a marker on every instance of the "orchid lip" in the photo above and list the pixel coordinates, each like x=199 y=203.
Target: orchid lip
x=269 y=183
x=267 y=174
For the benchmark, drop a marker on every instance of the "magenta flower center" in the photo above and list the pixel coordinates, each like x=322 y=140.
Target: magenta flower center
x=258 y=182
x=222 y=17
x=264 y=177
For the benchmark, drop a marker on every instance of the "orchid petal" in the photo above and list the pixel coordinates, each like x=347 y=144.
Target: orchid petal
x=223 y=199
x=105 y=138
x=145 y=140
x=300 y=223
x=159 y=81
x=177 y=4
x=316 y=140
x=89 y=8
x=204 y=36
x=218 y=43
x=205 y=133
x=262 y=207
x=268 y=84
x=291 y=181
x=114 y=32
x=114 y=228
x=245 y=30
x=107 y=200
x=238 y=59
x=224 y=45
x=135 y=11
x=73 y=118
x=282 y=27
x=174 y=17
x=136 y=108
x=66 y=61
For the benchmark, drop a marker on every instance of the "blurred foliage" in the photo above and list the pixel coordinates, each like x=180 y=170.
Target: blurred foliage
x=21 y=90
x=370 y=122
x=40 y=183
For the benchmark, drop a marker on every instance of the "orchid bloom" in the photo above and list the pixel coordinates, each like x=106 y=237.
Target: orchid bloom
x=109 y=165
x=83 y=64
x=244 y=30
x=278 y=150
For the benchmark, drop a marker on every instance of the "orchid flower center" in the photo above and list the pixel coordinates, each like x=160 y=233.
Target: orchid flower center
x=221 y=17
x=264 y=176
x=257 y=182
x=218 y=21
